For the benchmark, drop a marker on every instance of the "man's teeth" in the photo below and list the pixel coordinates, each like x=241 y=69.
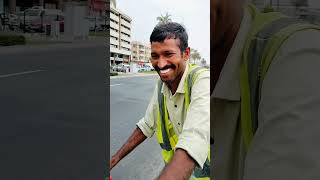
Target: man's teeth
x=165 y=71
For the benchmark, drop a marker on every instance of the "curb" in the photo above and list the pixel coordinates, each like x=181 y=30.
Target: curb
x=131 y=75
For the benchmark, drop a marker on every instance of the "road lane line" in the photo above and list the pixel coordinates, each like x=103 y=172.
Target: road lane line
x=111 y=85
x=19 y=73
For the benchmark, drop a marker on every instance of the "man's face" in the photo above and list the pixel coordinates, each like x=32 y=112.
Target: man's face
x=168 y=61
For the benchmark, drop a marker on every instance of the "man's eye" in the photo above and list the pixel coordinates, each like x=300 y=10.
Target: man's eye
x=154 y=57
x=169 y=54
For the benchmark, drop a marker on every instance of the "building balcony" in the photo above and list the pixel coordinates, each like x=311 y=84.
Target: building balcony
x=114 y=25
x=124 y=37
x=114 y=34
x=122 y=29
x=125 y=23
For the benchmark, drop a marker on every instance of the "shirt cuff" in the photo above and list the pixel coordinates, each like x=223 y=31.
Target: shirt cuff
x=143 y=126
x=197 y=149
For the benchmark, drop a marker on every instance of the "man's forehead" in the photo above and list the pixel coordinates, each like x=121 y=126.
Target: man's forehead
x=168 y=42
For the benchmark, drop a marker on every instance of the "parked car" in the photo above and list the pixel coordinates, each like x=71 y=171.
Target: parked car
x=96 y=23
x=114 y=68
x=145 y=67
x=36 y=18
x=13 y=21
x=120 y=67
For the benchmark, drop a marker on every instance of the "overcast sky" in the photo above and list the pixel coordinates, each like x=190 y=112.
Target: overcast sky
x=194 y=15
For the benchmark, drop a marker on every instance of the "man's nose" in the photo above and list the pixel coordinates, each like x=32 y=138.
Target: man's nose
x=162 y=62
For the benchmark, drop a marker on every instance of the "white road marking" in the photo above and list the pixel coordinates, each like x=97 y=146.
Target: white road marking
x=19 y=73
x=111 y=85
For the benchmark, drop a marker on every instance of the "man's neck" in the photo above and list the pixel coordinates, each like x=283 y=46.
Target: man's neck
x=220 y=53
x=173 y=86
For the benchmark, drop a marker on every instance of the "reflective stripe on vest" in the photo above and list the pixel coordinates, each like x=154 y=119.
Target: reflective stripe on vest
x=269 y=31
x=166 y=136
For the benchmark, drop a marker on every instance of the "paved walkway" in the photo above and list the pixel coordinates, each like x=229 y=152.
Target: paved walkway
x=52 y=46
x=126 y=75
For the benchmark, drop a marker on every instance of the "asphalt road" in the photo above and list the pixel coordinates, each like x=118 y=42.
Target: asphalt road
x=129 y=98
x=53 y=112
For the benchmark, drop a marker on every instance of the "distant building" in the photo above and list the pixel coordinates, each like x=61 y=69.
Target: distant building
x=120 y=35
x=96 y=7
x=140 y=53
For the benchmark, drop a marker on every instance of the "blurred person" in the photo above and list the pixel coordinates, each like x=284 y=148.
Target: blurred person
x=265 y=99
x=178 y=112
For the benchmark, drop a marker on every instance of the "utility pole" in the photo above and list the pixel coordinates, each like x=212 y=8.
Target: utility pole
x=12 y=6
x=41 y=3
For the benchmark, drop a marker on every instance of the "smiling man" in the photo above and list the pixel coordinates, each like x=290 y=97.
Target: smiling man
x=178 y=112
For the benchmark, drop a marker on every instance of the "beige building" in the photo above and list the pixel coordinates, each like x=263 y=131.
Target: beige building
x=140 y=53
x=120 y=35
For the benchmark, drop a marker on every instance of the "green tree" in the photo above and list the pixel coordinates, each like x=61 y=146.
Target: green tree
x=164 y=18
x=203 y=62
x=195 y=56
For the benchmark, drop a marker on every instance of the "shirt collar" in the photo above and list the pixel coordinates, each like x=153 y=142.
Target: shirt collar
x=165 y=89
x=228 y=85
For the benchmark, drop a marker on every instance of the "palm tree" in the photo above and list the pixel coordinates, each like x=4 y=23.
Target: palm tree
x=195 y=55
x=164 y=19
x=203 y=62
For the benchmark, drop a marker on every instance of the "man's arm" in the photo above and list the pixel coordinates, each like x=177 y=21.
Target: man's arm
x=180 y=167
x=134 y=140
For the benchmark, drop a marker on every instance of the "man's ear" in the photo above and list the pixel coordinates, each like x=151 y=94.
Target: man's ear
x=186 y=54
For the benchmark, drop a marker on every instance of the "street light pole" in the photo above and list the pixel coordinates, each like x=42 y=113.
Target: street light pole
x=1 y=6
x=24 y=21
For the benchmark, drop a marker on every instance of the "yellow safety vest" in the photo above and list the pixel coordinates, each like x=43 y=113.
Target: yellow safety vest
x=269 y=31
x=166 y=136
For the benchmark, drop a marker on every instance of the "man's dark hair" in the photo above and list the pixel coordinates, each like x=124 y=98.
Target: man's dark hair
x=170 y=30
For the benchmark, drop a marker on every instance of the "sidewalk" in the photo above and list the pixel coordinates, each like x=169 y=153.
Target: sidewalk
x=36 y=38
x=127 y=75
x=36 y=43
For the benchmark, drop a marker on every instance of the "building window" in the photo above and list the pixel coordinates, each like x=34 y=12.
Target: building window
x=125 y=48
x=126 y=27
x=116 y=30
x=114 y=13
x=126 y=20
x=114 y=21
x=125 y=34
x=114 y=38
x=112 y=45
x=127 y=42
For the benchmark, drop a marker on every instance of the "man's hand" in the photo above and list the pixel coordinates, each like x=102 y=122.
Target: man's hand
x=180 y=167
x=114 y=161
